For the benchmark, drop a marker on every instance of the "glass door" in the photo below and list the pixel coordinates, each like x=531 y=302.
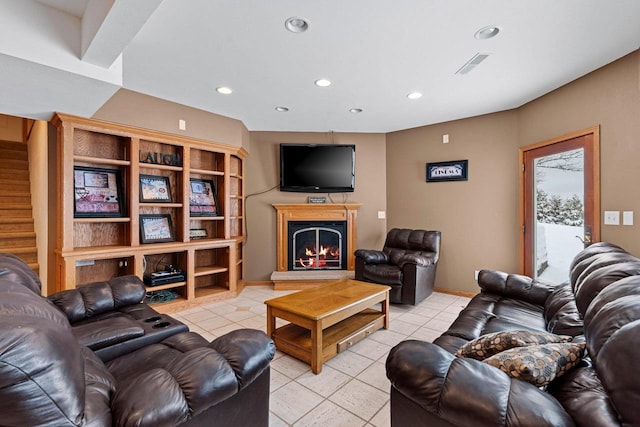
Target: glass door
x=560 y=206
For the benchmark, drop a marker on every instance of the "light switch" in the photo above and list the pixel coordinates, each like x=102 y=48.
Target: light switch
x=611 y=217
x=627 y=218
x=381 y=215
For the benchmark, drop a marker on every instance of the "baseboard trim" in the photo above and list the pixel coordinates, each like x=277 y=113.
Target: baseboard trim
x=456 y=293
x=258 y=283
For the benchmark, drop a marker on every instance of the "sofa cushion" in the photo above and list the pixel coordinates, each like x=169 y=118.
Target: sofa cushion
x=538 y=364
x=387 y=274
x=582 y=395
x=491 y=344
x=561 y=312
x=41 y=367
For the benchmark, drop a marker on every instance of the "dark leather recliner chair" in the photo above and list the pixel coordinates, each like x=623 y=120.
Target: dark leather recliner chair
x=407 y=263
x=51 y=372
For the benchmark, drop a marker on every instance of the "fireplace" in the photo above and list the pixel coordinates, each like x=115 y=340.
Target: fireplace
x=335 y=223
x=317 y=245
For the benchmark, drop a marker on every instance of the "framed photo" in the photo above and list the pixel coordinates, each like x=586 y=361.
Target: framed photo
x=202 y=198
x=155 y=189
x=198 y=233
x=156 y=228
x=97 y=192
x=456 y=170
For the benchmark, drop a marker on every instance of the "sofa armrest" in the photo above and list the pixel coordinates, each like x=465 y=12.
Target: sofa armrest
x=467 y=392
x=370 y=256
x=525 y=288
x=99 y=297
x=417 y=259
x=248 y=351
x=194 y=382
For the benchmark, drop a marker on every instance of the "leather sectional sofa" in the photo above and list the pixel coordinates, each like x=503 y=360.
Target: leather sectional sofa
x=599 y=306
x=97 y=356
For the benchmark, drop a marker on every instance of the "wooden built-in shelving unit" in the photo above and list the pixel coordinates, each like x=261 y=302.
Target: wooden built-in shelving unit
x=93 y=249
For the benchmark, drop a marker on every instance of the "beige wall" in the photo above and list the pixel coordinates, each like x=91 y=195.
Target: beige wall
x=478 y=218
x=609 y=97
x=143 y=111
x=262 y=173
x=38 y=176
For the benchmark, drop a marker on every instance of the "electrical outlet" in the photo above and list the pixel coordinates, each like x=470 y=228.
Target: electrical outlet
x=381 y=215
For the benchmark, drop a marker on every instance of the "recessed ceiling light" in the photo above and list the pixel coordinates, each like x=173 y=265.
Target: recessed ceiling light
x=487 y=32
x=296 y=24
x=282 y=109
x=355 y=110
x=414 y=95
x=323 y=82
x=224 y=90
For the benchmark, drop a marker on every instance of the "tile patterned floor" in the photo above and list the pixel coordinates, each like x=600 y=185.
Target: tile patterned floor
x=352 y=389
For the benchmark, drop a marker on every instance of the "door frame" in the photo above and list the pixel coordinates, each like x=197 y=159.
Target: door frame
x=595 y=232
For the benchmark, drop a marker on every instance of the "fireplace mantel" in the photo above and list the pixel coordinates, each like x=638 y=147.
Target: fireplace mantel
x=315 y=212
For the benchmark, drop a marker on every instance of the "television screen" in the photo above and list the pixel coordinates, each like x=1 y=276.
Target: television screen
x=317 y=168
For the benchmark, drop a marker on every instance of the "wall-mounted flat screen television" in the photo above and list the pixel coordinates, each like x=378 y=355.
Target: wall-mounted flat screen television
x=317 y=168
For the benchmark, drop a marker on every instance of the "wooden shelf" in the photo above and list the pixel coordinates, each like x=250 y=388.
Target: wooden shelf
x=207 y=218
x=206 y=172
x=167 y=286
x=160 y=205
x=101 y=161
x=108 y=247
x=101 y=220
x=209 y=269
x=160 y=167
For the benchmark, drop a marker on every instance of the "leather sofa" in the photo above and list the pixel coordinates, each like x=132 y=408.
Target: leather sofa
x=163 y=376
x=407 y=263
x=600 y=305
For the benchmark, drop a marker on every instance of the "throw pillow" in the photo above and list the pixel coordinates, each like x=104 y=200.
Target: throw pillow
x=494 y=343
x=538 y=364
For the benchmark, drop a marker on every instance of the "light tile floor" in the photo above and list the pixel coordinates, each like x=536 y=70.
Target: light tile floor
x=352 y=389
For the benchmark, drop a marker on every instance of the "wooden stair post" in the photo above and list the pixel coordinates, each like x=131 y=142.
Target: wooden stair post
x=17 y=234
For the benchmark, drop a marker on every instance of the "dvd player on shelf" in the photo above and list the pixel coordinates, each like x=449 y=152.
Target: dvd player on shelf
x=164 y=277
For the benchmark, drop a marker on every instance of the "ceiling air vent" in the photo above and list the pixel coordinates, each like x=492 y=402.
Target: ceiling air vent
x=471 y=64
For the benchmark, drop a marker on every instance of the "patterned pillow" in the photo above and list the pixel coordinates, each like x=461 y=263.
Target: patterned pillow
x=538 y=364
x=490 y=344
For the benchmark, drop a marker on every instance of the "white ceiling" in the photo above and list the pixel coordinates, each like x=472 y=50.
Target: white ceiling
x=64 y=55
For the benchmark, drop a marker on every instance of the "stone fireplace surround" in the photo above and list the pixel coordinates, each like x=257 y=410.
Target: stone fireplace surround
x=284 y=279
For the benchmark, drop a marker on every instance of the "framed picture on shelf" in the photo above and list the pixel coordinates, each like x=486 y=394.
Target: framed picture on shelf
x=97 y=192
x=202 y=197
x=198 y=233
x=156 y=228
x=155 y=189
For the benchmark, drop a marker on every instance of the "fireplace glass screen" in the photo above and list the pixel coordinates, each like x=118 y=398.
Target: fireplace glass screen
x=317 y=245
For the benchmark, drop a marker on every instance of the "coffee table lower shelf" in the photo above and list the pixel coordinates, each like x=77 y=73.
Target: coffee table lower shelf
x=296 y=340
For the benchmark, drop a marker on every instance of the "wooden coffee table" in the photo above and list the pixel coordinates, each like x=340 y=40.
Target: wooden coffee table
x=327 y=319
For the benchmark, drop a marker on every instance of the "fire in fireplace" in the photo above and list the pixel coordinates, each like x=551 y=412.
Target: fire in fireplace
x=317 y=245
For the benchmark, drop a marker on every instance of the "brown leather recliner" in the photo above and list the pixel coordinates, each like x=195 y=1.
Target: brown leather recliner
x=407 y=263
x=52 y=374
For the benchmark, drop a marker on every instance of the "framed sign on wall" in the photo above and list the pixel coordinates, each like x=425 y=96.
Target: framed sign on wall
x=455 y=170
